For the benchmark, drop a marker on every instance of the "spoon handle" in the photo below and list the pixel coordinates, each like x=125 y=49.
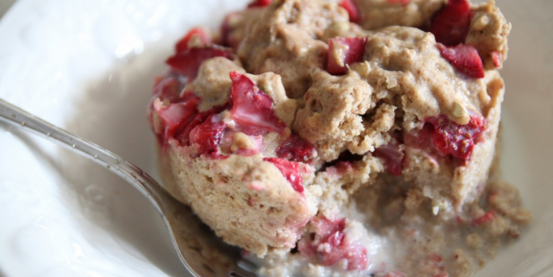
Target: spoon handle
x=166 y=205
x=128 y=171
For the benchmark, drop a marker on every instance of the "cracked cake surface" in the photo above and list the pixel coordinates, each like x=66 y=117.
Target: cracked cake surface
x=329 y=138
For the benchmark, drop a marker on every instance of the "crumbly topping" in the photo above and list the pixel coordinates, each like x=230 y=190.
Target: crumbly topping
x=377 y=122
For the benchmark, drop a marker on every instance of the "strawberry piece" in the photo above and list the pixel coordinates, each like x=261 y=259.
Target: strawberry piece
x=403 y=2
x=392 y=156
x=207 y=136
x=167 y=89
x=454 y=139
x=173 y=115
x=341 y=168
x=335 y=254
x=464 y=58
x=182 y=45
x=487 y=217
x=290 y=170
x=183 y=134
x=497 y=59
x=252 y=110
x=260 y=3
x=335 y=247
x=352 y=10
x=189 y=61
x=325 y=227
x=182 y=120
x=296 y=149
x=176 y=115
x=451 y=25
x=307 y=247
x=343 y=52
x=421 y=139
x=356 y=256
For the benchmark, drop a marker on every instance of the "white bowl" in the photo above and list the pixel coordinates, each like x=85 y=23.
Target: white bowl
x=88 y=65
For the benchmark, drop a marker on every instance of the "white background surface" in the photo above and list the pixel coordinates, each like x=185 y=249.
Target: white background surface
x=88 y=65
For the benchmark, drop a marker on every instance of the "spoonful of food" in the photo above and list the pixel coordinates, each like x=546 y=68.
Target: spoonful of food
x=200 y=251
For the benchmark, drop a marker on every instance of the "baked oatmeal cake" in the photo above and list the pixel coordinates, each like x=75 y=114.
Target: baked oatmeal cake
x=343 y=138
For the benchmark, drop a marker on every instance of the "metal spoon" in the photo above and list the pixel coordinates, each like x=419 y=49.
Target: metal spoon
x=200 y=251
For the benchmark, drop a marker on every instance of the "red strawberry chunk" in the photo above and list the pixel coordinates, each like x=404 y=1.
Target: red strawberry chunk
x=451 y=25
x=176 y=115
x=436 y=258
x=199 y=117
x=497 y=59
x=207 y=136
x=260 y=3
x=341 y=168
x=336 y=239
x=252 y=110
x=182 y=120
x=392 y=156
x=200 y=33
x=464 y=58
x=454 y=139
x=325 y=227
x=356 y=256
x=343 y=52
x=352 y=10
x=167 y=89
x=307 y=248
x=290 y=170
x=296 y=149
x=420 y=139
x=330 y=245
x=172 y=115
x=487 y=217
x=335 y=252
x=189 y=61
